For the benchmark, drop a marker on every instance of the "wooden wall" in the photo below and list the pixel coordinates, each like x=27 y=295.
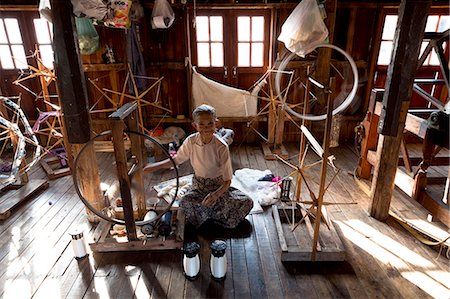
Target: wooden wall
x=357 y=30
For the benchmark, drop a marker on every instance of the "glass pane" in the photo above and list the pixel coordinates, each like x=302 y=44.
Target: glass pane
x=257 y=54
x=203 y=54
x=244 y=54
x=201 y=25
x=46 y=55
x=42 y=33
x=243 y=29
x=432 y=23
x=390 y=23
x=3 y=38
x=444 y=23
x=216 y=54
x=258 y=29
x=12 y=27
x=384 y=57
x=5 y=57
x=422 y=48
x=216 y=29
x=18 y=54
x=434 y=60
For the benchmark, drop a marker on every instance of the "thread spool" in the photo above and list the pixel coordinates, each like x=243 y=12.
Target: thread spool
x=78 y=244
x=191 y=260
x=218 y=260
x=165 y=224
x=148 y=229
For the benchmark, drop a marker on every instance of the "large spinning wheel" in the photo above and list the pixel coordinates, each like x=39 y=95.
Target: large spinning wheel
x=332 y=90
x=110 y=182
x=127 y=193
x=345 y=72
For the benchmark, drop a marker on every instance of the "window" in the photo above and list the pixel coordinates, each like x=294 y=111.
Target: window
x=44 y=37
x=12 y=52
x=250 y=41
x=209 y=41
x=435 y=23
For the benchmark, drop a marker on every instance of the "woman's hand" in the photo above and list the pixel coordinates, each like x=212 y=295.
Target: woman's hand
x=210 y=199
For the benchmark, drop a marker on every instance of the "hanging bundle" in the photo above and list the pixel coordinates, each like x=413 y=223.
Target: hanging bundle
x=88 y=39
x=304 y=29
x=111 y=13
x=162 y=15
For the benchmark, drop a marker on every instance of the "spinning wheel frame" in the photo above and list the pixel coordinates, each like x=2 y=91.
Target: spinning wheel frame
x=102 y=215
x=340 y=108
x=21 y=140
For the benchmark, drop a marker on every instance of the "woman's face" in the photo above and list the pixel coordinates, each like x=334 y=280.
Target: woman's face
x=205 y=124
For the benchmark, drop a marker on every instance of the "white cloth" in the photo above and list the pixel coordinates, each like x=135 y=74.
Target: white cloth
x=208 y=160
x=228 y=101
x=261 y=192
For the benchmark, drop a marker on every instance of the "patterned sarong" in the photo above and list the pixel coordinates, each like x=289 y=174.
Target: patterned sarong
x=230 y=209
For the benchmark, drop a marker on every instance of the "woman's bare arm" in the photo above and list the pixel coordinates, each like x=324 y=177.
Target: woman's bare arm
x=212 y=197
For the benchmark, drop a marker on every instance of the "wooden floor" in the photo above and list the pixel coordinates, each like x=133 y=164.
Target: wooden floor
x=383 y=260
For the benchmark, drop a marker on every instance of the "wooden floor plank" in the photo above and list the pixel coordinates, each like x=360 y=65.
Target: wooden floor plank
x=384 y=261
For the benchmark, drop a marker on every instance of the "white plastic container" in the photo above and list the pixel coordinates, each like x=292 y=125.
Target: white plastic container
x=78 y=244
x=218 y=262
x=191 y=260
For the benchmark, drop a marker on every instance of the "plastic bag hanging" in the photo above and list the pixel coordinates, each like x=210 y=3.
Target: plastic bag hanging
x=93 y=9
x=88 y=39
x=304 y=29
x=162 y=15
x=45 y=10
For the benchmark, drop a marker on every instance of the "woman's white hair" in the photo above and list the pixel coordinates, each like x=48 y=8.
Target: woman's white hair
x=204 y=109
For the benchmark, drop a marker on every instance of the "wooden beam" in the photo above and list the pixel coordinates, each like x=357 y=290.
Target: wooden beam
x=408 y=39
x=71 y=81
x=72 y=91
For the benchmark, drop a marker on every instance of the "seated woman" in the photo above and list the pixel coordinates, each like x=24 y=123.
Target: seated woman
x=211 y=197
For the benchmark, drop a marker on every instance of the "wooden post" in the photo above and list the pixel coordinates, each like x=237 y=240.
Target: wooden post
x=137 y=146
x=73 y=96
x=271 y=124
x=124 y=182
x=324 y=54
x=117 y=120
x=280 y=128
x=408 y=39
x=306 y=110
x=323 y=173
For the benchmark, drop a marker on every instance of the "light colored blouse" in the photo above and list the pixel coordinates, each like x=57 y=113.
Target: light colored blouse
x=209 y=160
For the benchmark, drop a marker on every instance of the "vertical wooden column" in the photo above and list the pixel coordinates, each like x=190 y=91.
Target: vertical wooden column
x=124 y=182
x=74 y=100
x=137 y=146
x=408 y=39
x=303 y=141
x=279 y=128
x=324 y=54
x=323 y=172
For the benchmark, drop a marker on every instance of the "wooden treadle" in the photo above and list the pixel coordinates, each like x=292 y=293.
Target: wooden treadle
x=13 y=197
x=297 y=245
x=50 y=164
x=270 y=152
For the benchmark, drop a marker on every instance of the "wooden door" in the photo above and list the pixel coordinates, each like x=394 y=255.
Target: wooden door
x=231 y=45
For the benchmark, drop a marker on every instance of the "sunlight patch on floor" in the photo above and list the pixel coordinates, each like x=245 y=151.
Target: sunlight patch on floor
x=389 y=244
x=17 y=288
x=427 y=284
x=100 y=288
x=412 y=266
x=141 y=290
x=440 y=276
x=51 y=288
